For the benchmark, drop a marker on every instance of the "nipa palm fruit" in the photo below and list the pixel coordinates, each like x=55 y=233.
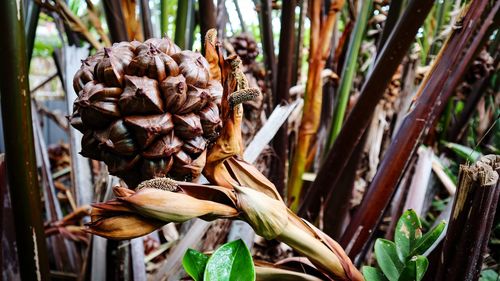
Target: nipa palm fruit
x=245 y=47
x=147 y=110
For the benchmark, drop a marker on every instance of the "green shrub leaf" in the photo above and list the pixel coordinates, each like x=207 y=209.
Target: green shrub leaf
x=387 y=259
x=489 y=275
x=424 y=243
x=414 y=269
x=194 y=264
x=231 y=262
x=408 y=231
x=373 y=274
x=464 y=152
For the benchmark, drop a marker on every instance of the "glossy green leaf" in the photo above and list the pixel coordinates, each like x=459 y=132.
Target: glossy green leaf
x=387 y=259
x=414 y=269
x=464 y=152
x=194 y=264
x=408 y=231
x=231 y=262
x=424 y=243
x=373 y=274
x=489 y=275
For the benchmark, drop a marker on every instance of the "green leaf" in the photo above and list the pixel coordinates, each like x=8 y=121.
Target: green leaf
x=408 y=231
x=373 y=274
x=463 y=151
x=231 y=262
x=424 y=243
x=489 y=275
x=414 y=269
x=194 y=264
x=387 y=259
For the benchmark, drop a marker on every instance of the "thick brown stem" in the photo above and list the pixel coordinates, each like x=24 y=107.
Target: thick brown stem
x=284 y=76
x=471 y=220
x=435 y=90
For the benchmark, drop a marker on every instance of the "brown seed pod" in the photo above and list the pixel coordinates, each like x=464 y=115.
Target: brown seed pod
x=195 y=146
x=146 y=128
x=210 y=120
x=156 y=168
x=97 y=105
x=86 y=72
x=82 y=77
x=153 y=63
x=140 y=96
x=174 y=91
x=90 y=146
x=111 y=69
x=163 y=147
x=75 y=120
x=196 y=99
x=187 y=126
x=164 y=44
x=194 y=67
x=117 y=139
x=215 y=89
x=119 y=164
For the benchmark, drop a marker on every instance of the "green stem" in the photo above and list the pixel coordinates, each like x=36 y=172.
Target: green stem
x=19 y=146
x=182 y=23
x=164 y=17
x=31 y=22
x=349 y=70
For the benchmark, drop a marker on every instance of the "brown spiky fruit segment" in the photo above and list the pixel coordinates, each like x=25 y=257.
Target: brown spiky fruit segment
x=148 y=110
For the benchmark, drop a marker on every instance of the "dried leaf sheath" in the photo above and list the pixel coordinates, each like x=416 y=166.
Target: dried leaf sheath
x=157 y=202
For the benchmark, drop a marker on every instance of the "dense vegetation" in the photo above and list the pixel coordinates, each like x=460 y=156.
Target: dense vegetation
x=368 y=145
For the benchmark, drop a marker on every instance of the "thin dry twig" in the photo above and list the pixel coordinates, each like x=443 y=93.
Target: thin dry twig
x=96 y=22
x=74 y=22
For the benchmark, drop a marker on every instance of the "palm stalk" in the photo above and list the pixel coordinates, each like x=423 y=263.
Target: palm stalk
x=115 y=20
x=297 y=60
x=147 y=25
x=435 y=90
x=208 y=18
x=392 y=18
x=349 y=69
x=7 y=231
x=320 y=45
x=284 y=75
x=371 y=93
x=222 y=19
x=472 y=216
x=183 y=31
x=19 y=146
x=164 y=17
x=266 y=31
x=31 y=22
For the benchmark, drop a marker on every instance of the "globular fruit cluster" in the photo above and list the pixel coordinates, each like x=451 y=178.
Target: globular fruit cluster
x=147 y=110
x=245 y=47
